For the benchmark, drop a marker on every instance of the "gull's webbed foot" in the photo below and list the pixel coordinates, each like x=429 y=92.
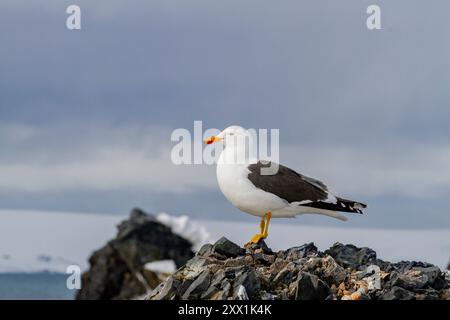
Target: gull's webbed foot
x=255 y=239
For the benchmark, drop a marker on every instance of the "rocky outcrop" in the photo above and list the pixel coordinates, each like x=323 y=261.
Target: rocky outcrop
x=117 y=270
x=343 y=272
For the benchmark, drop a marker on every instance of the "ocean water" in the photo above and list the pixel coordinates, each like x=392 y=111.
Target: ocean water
x=34 y=286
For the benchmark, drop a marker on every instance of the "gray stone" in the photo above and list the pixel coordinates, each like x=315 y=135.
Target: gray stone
x=264 y=295
x=435 y=278
x=241 y=293
x=223 y=293
x=432 y=273
x=286 y=274
x=310 y=287
x=397 y=293
x=224 y=271
x=215 y=285
x=263 y=258
x=165 y=291
x=260 y=246
x=351 y=256
x=227 y=248
x=404 y=266
x=198 y=286
x=185 y=284
x=408 y=281
x=327 y=269
x=303 y=251
x=426 y=294
x=194 y=267
x=205 y=250
x=210 y=292
x=247 y=278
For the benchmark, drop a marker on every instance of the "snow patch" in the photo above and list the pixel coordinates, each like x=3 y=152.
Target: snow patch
x=163 y=266
x=185 y=228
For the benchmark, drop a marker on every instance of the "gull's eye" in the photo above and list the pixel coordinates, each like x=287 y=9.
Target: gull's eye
x=231 y=134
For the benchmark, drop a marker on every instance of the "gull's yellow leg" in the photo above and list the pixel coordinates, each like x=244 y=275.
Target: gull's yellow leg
x=264 y=228
x=266 y=225
x=262 y=225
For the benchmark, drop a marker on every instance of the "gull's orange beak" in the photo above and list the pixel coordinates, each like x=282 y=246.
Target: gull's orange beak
x=212 y=139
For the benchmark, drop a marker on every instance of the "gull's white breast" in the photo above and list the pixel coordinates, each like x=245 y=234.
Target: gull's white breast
x=241 y=192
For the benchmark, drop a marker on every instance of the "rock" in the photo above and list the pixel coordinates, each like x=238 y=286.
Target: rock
x=432 y=273
x=117 y=270
x=426 y=294
x=242 y=261
x=356 y=295
x=224 y=293
x=205 y=250
x=397 y=293
x=246 y=278
x=197 y=287
x=436 y=278
x=267 y=296
x=241 y=293
x=286 y=274
x=226 y=271
x=408 y=280
x=372 y=277
x=444 y=294
x=215 y=285
x=166 y=290
x=310 y=287
x=260 y=247
x=418 y=278
x=227 y=248
x=404 y=266
x=194 y=267
x=441 y=282
x=303 y=251
x=265 y=259
x=351 y=256
x=327 y=269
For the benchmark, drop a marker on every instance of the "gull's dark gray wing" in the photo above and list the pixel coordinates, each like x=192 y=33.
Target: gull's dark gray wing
x=295 y=187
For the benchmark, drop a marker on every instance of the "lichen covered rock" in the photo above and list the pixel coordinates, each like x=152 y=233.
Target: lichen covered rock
x=224 y=270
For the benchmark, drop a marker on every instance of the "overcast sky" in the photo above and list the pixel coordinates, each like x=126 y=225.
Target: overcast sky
x=86 y=116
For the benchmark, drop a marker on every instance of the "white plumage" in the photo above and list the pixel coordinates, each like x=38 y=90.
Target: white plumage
x=274 y=195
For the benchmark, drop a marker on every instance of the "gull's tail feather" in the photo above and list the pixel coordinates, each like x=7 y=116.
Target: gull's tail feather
x=324 y=212
x=351 y=206
x=340 y=204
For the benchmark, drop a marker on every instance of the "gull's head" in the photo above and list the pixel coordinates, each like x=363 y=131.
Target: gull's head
x=228 y=135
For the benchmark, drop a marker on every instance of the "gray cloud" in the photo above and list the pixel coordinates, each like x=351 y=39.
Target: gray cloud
x=108 y=157
x=79 y=110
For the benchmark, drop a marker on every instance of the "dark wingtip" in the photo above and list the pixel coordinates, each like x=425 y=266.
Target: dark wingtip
x=358 y=206
x=362 y=205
